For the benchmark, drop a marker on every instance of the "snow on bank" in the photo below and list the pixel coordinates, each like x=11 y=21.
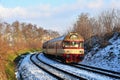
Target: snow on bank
x=30 y=72
x=76 y=71
x=107 y=58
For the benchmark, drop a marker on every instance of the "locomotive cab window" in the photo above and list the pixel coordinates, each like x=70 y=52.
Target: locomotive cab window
x=81 y=45
x=70 y=44
x=74 y=44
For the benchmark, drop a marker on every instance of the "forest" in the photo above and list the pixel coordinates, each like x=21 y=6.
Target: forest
x=17 y=38
x=106 y=22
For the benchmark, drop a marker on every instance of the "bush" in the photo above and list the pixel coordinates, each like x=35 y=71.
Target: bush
x=107 y=36
x=10 y=71
x=104 y=44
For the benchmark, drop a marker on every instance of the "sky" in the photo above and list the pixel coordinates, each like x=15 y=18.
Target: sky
x=58 y=15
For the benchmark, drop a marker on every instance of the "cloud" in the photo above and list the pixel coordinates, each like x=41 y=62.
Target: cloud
x=19 y=12
x=48 y=10
x=80 y=5
x=11 y=12
x=115 y=4
x=51 y=16
x=42 y=10
x=96 y=4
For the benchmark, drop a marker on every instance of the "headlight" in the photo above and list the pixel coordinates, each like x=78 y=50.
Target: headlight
x=81 y=51
x=67 y=51
x=73 y=36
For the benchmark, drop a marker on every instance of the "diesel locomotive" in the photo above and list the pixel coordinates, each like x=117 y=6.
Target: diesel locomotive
x=68 y=48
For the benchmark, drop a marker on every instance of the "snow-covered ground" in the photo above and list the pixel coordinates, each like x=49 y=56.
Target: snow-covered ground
x=31 y=72
x=108 y=57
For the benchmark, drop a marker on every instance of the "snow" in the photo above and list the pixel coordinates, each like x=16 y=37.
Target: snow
x=107 y=58
x=54 y=70
x=83 y=73
x=31 y=72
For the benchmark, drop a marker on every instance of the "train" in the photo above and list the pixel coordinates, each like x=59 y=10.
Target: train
x=68 y=48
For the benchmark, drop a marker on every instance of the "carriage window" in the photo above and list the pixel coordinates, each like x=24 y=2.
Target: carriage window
x=66 y=44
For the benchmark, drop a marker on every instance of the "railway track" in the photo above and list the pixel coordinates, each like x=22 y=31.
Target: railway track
x=58 y=73
x=108 y=73
x=99 y=70
x=57 y=77
x=111 y=74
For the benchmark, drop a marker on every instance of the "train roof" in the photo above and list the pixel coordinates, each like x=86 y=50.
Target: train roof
x=73 y=36
x=67 y=37
x=57 y=39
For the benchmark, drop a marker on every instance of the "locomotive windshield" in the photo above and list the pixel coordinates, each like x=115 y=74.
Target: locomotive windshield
x=73 y=44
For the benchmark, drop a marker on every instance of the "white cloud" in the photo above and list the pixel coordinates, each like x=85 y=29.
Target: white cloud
x=96 y=4
x=115 y=4
x=80 y=5
x=42 y=10
x=47 y=10
x=11 y=12
x=46 y=13
x=19 y=12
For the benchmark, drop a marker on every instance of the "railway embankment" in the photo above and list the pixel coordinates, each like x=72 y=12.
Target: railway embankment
x=107 y=56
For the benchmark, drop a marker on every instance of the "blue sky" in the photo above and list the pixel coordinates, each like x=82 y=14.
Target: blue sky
x=27 y=3
x=57 y=15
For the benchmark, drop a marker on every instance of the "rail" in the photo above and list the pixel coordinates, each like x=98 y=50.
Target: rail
x=109 y=73
x=57 y=77
x=105 y=72
x=63 y=71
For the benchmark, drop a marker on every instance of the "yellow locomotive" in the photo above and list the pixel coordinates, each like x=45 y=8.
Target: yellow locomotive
x=68 y=48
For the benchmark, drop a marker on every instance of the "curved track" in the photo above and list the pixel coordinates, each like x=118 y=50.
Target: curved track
x=55 y=68
x=98 y=70
x=112 y=74
x=57 y=77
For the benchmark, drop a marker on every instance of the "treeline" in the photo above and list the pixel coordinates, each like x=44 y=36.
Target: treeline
x=17 y=37
x=107 y=22
x=20 y=36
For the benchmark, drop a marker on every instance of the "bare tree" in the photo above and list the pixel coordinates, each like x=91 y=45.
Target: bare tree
x=83 y=26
